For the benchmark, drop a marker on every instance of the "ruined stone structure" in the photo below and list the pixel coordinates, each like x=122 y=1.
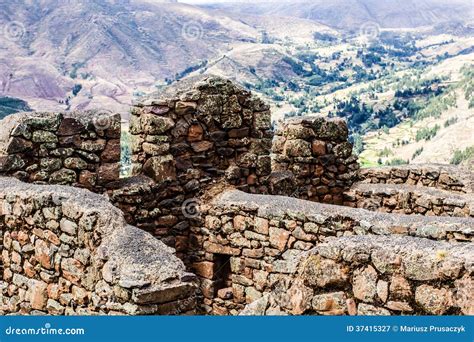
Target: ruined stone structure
x=307 y=256
x=374 y=275
x=69 y=251
x=257 y=223
x=198 y=131
x=184 y=139
x=429 y=190
x=444 y=177
x=317 y=154
x=78 y=149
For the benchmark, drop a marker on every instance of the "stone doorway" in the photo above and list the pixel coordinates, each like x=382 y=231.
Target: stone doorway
x=222 y=271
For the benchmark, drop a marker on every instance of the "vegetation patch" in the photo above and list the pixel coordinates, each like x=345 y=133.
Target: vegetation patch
x=11 y=105
x=462 y=155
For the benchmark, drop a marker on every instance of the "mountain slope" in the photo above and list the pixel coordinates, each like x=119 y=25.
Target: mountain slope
x=351 y=14
x=110 y=49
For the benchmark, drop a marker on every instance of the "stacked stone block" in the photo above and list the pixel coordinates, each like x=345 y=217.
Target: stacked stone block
x=155 y=208
x=263 y=236
x=77 y=148
x=410 y=199
x=375 y=275
x=317 y=153
x=202 y=129
x=67 y=251
x=185 y=138
x=444 y=177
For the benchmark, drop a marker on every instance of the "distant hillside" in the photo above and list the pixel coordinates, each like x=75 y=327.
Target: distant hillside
x=439 y=130
x=89 y=54
x=351 y=14
x=84 y=54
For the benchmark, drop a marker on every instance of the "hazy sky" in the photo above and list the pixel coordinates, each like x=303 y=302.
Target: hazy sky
x=214 y=1
x=253 y=1
x=204 y=1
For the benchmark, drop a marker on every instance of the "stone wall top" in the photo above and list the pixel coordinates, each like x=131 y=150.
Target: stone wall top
x=74 y=148
x=369 y=221
x=446 y=177
x=141 y=253
x=83 y=199
x=202 y=128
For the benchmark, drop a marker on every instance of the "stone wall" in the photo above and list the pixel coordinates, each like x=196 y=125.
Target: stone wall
x=156 y=208
x=317 y=153
x=186 y=138
x=375 y=275
x=69 y=251
x=260 y=236
x=445 y=177
x=202 y=129
x=77 y=148
x=410 y=199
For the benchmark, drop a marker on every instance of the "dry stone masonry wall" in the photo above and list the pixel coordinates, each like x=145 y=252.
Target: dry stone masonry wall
x=312 y=159
x=375 y=275
x=410 y=199
x=263 y=237
x=77 y=148
x=68 y=251
x=185 y=138
x=444 y=177
x=400 y=244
